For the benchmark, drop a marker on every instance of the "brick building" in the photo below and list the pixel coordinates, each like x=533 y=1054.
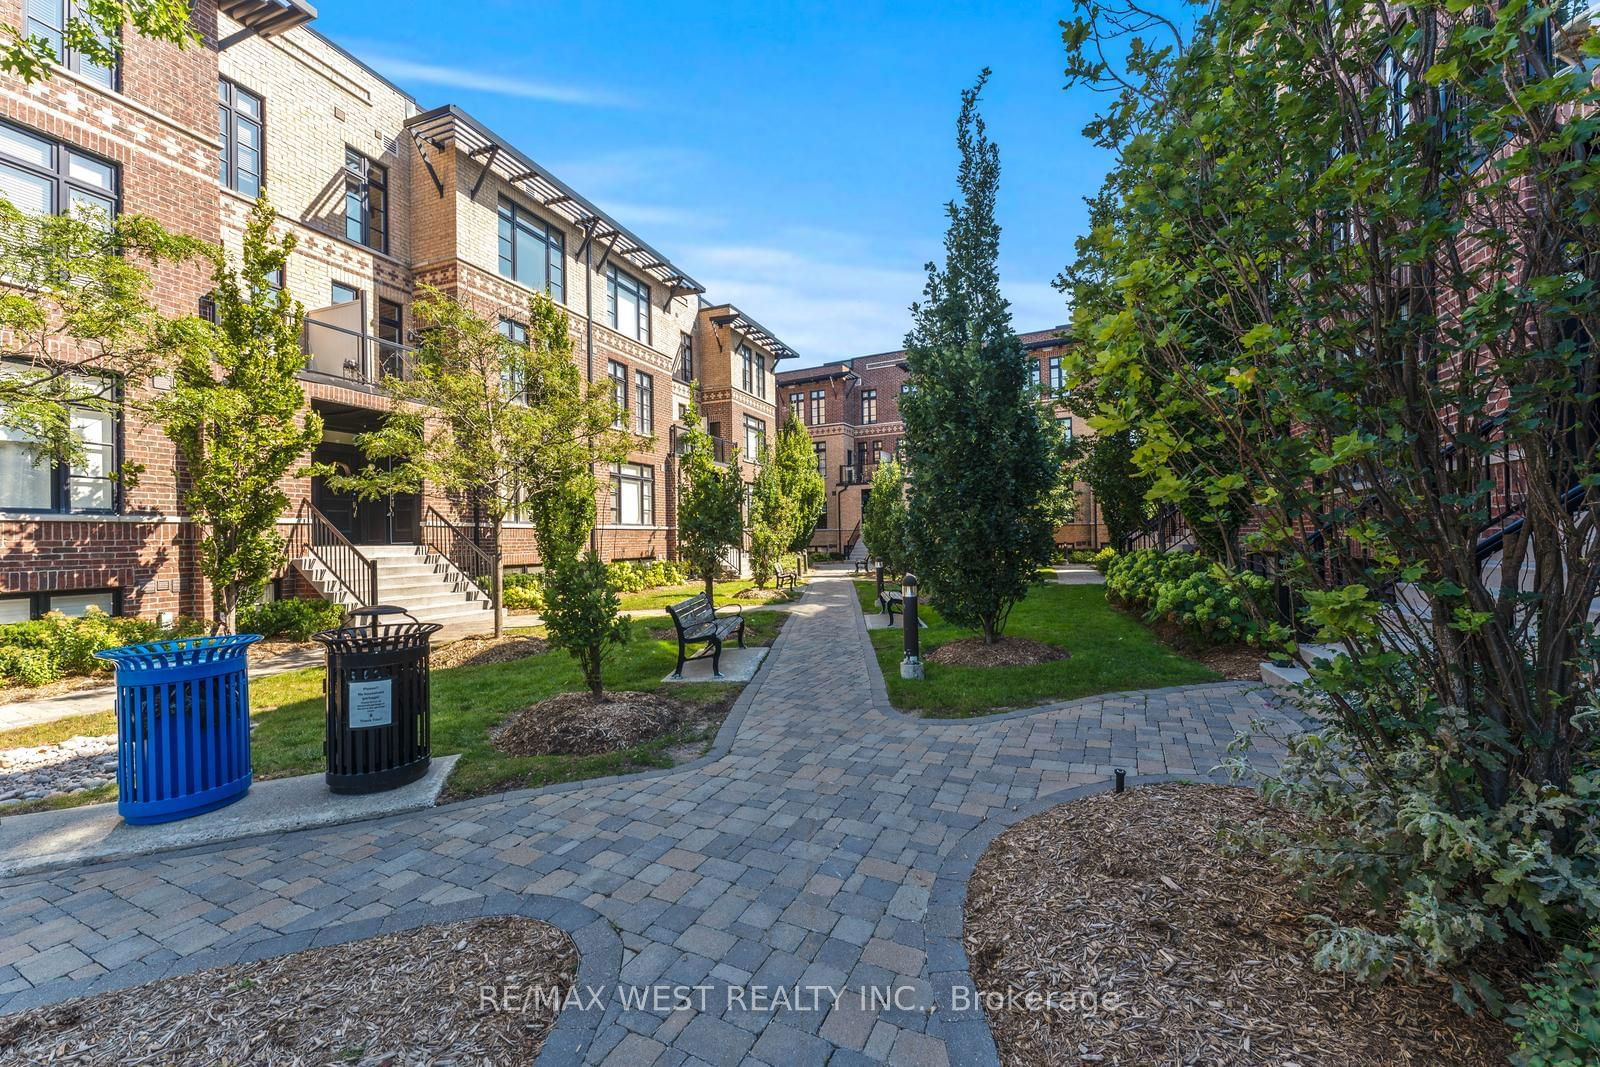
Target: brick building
x=852 y=411
x=385 y=197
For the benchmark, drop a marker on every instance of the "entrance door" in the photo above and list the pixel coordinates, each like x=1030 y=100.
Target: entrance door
x=392 y=520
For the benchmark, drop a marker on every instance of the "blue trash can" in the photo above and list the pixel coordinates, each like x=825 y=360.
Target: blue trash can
x=183 y=726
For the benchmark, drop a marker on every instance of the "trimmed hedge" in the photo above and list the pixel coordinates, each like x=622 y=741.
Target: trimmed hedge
x=1191 y=591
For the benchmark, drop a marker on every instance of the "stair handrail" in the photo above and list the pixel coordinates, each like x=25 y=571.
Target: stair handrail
x=314 y=535
x=849 y=546
x=456 y=547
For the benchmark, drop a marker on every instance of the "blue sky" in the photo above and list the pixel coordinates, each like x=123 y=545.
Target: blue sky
x=793 y=157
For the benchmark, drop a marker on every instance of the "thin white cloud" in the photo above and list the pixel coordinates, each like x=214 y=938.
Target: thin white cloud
x=488 y=82
x=827 y=307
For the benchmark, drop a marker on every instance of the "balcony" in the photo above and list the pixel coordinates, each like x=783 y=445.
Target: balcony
x=722 y=449
x=338 y=351
x=857 y=473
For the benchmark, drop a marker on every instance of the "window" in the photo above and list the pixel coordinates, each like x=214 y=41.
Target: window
x=797 y=406
x=821 y=449
x=755 y=435
x=619 y=393
x=628 y=304
x=531 y=251
x=239 y=114
x=1055 y=382
x=391 y=336
x=42 y=177
x=511 y=375
x=877 y=453
x=900 y=450
x=761 y=376
x=869 y=406
x=366 y=201
x=74 y=605
x=514 y=330
x=88 y=486
x=684 y=371
x=1064 y=422
x=48 y=19
x=747 y=368
x=644 y=403
x=633 y=494
x=345 y=294
x=1397 y=79
x=819 y=407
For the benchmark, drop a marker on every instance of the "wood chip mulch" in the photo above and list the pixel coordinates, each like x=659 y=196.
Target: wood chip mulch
x=1205 y=950
x=1006 y=652
x=481 y=651
x=572 y=724
x=411 y=997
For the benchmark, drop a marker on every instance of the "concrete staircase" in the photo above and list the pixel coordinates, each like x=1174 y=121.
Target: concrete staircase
x=418 y=580
x=858 y=551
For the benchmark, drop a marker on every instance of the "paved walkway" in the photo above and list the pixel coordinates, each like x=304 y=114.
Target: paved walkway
x=826 y=841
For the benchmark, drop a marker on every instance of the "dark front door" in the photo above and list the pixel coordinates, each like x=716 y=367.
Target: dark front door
x=392 y=520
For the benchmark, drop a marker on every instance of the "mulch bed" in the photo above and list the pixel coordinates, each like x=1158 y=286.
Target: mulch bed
x=1006 y=652
x=572 y=724
x=481 y=651
x=1204 y=950
x=410 y=997
x=1236 y=663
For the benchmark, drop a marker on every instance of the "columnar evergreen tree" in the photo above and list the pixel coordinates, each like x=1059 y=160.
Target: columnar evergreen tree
x=238 y=417
x=710 y=516
x=796 y=460
x=981 y=452
x=773 y=518
x=504 y=424
x=883 y=521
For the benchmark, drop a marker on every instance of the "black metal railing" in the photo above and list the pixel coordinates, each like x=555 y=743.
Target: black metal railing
x=457 y=547
x=357 y=358
x=857 y=473
x=1167 y=527
x=316 y=538
x=722 y=449
x=850 y=542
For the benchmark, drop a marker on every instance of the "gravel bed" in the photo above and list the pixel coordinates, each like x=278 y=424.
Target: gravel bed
x=69 y=766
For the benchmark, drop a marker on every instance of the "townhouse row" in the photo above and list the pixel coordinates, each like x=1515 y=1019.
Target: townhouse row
x=385 y=197
x=852 y=411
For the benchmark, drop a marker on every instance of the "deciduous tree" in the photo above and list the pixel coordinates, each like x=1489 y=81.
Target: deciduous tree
x=711 y=498
x=94 y=30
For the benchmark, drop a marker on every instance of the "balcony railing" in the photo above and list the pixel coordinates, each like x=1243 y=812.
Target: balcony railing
x=722 y=449
x=857 y=473
x=348 y=356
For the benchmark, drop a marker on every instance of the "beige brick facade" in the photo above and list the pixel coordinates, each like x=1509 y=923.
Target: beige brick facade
x=445 y=179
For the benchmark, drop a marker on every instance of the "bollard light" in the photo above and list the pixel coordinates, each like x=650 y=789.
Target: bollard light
x=1122 y=779
x=911 y=666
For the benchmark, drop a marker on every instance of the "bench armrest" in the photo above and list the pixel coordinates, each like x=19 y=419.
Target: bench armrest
x=738 y=609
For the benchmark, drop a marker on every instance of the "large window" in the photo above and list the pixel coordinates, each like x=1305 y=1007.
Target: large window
x=755 y=435
x=1054 y=380
x=684 y=371
x=869 y=406
x=644 y=403
x=633 y=494
x=239 y=115
x=819 y=407
x=511 y=376
x=366 y=201
x=797 y=406
x=87 y=486
x=747 y=368
x=628 y=304
x=1064 y=423
x=47 y=19
x=821 y=449
x=74 y=605
x=531 y=251
x=619 y=393
x=761 y=376
x=41 y=177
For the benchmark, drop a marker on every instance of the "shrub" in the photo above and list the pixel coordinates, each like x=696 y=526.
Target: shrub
x=520 y=591
x=583 y=615
x=1102 y=560
x=635 y=576
x=296 y=618
x=1560 y=1023
x=1190 y=591
x=33 y=653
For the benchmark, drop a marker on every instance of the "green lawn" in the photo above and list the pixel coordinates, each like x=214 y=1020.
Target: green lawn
x=1110 y=652
x=723 y=594
x=467 y=702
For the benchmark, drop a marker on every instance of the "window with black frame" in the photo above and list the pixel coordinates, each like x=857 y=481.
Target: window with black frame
x=869 y=406
x=47 y=20
x=633 y=494
x=240 y=120
x=41 y=176
x=84 y=484
x=644 y=403
x=366 y=201
x=684 y=371
x=627 y=304
x=532 y=251
x=619 y=393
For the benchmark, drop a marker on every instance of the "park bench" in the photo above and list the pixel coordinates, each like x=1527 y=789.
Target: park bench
x=696 y=620
x=785 y=577
x=889 y=599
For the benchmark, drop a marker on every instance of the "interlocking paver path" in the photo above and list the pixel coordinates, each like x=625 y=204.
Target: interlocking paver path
x=825 y=843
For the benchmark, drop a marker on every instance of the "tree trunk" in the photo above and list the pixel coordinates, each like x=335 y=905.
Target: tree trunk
x=496 y=584
x=710 y=576
x=591 y=673
x=227 y=605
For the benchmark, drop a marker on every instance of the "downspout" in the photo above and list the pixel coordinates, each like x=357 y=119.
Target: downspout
x=588 y=345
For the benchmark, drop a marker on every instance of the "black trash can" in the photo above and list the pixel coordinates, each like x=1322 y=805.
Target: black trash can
x=377 y=696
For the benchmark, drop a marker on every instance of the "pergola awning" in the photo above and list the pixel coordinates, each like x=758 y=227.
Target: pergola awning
x=449 y=126
x=267 y=18
x=736 y=320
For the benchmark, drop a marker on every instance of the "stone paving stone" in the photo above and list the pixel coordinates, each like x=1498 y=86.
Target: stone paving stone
x=828 y=843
